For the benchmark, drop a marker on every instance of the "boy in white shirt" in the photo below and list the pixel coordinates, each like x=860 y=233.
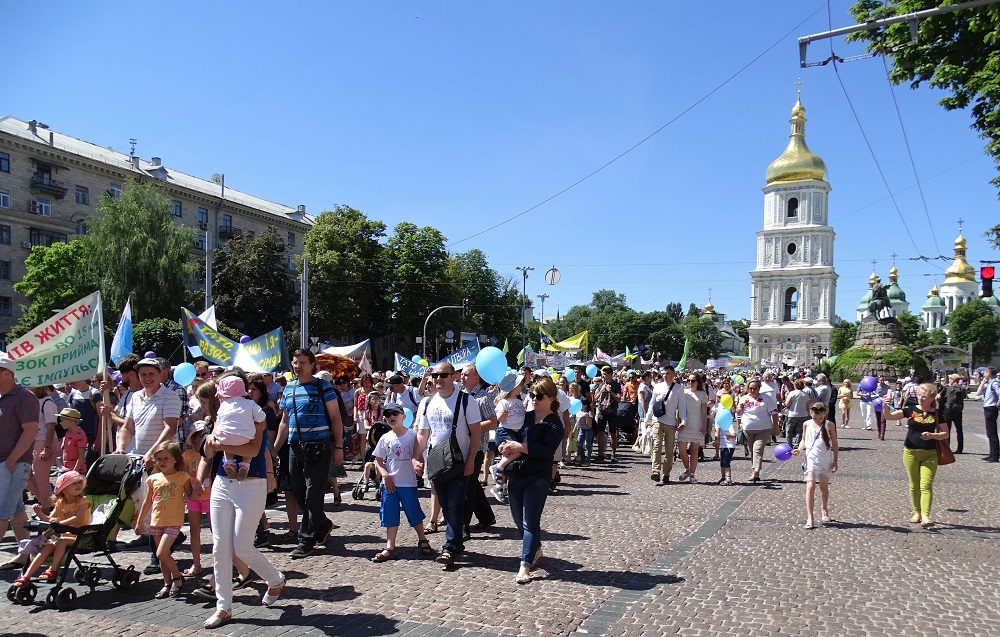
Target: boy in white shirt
x=394 y=462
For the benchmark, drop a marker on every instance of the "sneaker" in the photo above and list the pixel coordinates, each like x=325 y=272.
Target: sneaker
x=325 y=533
x=683 y=477
x=868 y=428
x=729 y=482
x=691 y=479
x=243 y=582
x=230 y=470
x=666 y=479
x=204 y=592
x=446 y=558
x=552 y=486
x=497 y=491
x=262 y=539
x=152 y=568
x=302 y=550
x=721 y=481
x=496 y=472
x=611 y=458
x=655 y=477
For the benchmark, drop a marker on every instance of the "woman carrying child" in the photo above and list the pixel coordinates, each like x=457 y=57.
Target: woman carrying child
x=510 y=418
x=71 y=509
x=819 y=445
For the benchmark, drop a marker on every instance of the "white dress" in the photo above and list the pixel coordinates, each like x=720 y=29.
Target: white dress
x=819 y=457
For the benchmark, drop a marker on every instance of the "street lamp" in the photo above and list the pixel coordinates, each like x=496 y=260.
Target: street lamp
x=542 y=297
x=524 y=294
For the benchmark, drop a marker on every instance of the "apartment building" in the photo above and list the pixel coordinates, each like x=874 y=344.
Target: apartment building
x=50 y=183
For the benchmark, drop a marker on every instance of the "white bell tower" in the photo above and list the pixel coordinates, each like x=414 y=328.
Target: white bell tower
x=794 y=284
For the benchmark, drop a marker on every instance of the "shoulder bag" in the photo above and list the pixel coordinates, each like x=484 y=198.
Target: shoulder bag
x=944 y=453
x=445 y=461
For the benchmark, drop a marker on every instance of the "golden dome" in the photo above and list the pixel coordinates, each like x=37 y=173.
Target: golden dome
x=960 y=271
x=709 y=309
x=872 y=280
x=893 y=274
x=935 y=291
x=797 y=163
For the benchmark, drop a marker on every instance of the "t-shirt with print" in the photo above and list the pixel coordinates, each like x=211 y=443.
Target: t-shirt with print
x=168 y=498
x=514 y=409
x=149 y=414
x=306 y=408
x=436 y=413
x=397 y=457
x=74 y=447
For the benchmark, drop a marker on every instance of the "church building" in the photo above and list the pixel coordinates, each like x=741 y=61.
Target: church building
x=794 y=284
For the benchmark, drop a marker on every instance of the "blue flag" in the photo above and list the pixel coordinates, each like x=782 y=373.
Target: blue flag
x=122 y=343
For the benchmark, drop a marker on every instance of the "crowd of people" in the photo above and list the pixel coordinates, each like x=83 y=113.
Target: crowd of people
x=219 y=451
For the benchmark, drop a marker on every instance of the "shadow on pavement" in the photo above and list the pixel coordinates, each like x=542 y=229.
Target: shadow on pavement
x=328 y=623
x=836 y=524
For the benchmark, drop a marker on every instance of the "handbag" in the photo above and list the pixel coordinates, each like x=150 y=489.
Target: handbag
x=944 y=453
x=445 y=462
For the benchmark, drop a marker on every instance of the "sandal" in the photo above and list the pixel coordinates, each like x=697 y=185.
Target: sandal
x=287 y=535
x=22 y=581
x=163 y=592
x=915 y=519
x=809 y=525
x=193 y=571
x=825 y=518
x=218 y=618
x=49 y=575
x=432 y=527
x=175 y=587
x=268 y=598
x=385 y=555
x=926 y=521
x=425 y=547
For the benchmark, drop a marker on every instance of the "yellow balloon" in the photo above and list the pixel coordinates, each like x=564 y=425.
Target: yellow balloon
x=423 y=361
x=726 y=401
x=555 y=378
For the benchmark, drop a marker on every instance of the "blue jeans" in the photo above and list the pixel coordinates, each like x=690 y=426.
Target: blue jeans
x=527 y=499
x=451 y=496
x=309 y=481
x=585 y=443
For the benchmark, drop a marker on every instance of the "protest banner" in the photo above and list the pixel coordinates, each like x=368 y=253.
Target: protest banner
x=408 y=367
x=265 y=353
x=67 y=347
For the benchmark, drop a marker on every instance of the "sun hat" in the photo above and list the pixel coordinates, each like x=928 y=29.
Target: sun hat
x=6 y=362
x=68 y=479
x=69 y=412
x=231 y=387
x=509 y=381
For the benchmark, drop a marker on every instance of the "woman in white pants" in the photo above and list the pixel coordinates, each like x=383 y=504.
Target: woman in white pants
x=236 y=507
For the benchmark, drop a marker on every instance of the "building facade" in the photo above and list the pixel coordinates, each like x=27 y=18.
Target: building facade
x=794 y=284
x=50 y=183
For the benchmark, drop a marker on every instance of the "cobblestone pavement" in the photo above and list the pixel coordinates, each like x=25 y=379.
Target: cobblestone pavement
x=625 y=556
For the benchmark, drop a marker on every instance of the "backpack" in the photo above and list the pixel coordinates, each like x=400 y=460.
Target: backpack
x=606 y=403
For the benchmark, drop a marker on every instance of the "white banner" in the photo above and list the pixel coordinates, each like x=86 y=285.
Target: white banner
x=67 y=347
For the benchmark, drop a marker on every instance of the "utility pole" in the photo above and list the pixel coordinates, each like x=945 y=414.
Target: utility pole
x=542 y=297
x=219 y=180
x=524 y=294
x=304 y=305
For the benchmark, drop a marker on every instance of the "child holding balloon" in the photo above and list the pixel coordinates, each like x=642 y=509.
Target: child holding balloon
x=725 y=434
x=819 y=445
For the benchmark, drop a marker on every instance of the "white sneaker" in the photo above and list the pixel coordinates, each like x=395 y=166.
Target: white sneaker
x=692 y=479
x=498 y=492
x=496 y=472
x=683 y=477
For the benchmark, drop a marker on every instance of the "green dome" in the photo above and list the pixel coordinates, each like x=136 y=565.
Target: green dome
x=896 y=294
x=934 y=302
x=992 y=301
x=865 y=300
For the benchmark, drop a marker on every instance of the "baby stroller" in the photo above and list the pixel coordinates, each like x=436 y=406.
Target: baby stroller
x=110 y=483
x=368 y=480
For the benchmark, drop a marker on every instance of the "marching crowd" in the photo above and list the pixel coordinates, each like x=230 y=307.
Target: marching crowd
x=223 y=449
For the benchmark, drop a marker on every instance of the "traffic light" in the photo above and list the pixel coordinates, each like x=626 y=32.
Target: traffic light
x=465 y=306
x=986 y=274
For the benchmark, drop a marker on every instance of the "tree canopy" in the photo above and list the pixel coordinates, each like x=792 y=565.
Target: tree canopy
x=974 y=323
x=56 y=276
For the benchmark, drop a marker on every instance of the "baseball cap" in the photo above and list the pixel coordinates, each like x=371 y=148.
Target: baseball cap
x=509 y=381
x=396 y=380
x=6 y=362
x=148 y=362
x=393 y=406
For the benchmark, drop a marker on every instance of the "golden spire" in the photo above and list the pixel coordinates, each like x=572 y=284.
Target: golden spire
x=960 y=271
x=797 y=162
x=873 y=280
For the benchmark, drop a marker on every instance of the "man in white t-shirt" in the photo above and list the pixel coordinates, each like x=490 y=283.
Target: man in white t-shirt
x=402 y=393
x=769 y=386
x=434 y=418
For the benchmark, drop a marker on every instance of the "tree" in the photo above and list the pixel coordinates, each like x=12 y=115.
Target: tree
x=843 y=337
x=57 y=276
x=135 y=249
x=957 y=52
x=911 y=326
x=675 y=311
x=494 y=301
x=608 y=301
x=347 y=277
x=975 y=323
x=253 y=289
x=693 y=310
x=706 y=339
x=926 y=338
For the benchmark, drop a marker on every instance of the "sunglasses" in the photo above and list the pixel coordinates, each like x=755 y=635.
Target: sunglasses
x=390 y=414
x=533 y=396
x=441 y=374
x=341 y=382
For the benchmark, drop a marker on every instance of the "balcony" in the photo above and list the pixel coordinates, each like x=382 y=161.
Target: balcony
x=228 y=232
x=43 y=184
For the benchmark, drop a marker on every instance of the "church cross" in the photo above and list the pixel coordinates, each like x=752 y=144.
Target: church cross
x=873 y=264
x=960 y=222
x=894 y=255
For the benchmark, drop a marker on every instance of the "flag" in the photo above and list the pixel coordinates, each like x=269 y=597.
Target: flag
x=209 y=317
x=629 y=355
x=505 y=346
x=545 y=337
x=121 y=345
x=684 y=356
x=578 y=342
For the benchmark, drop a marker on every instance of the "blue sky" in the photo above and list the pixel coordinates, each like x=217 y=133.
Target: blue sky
x=461 y=115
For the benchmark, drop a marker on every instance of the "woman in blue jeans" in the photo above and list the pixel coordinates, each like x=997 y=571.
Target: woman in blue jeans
x=529 y=475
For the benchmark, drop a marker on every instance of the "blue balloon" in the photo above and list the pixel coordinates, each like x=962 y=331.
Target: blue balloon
x=570 y=376
x=416 y=358
x=723 y=418
x=245 y=339
x=407 y=417
x=184 y=374
x=149 y=354
x=575 y=405
x=491 y=364
x=592 y=371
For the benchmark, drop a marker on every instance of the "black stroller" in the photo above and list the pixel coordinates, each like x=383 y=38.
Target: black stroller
x=110 y=483
x=369 y=477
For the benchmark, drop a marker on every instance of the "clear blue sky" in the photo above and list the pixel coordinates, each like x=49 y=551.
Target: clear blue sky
x=461 y=115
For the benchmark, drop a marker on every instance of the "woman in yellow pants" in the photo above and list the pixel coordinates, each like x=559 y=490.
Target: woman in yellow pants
x=924 y=427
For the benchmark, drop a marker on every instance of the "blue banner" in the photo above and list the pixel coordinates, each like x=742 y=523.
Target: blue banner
x=408 y=367
x=463 y=356
x=265 y=353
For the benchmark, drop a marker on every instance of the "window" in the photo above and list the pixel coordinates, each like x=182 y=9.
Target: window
x=203 y=217
x=6 y=306
x=200 y=243
x=291 y=240
x=4 y=198
x=791 y=248
x=46 y=238
x=227 y=223
x=83 y=195
x=5 y=270
x=4 y=163
x=793 y=207
x=791 y=304
x=115 y=190
x=81 y=227
x=291 y=263
x=41 y=207
x=175 y=207
x=5 y=235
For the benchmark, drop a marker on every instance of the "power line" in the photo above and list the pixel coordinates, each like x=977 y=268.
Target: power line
x=645 y=139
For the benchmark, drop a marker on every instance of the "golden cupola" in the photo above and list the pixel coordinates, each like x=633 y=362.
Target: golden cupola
x=960 y=271
x=797 y=162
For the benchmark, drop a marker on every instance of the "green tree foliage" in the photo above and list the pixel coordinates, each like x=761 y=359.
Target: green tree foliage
x=675 y=311
x=741 y=330
x=418 y=281
x=846 y=362
x=608 y=301
x=494 y=301
x=975 y=323
x=163 y=336
x=911 y=327
x=252 y=288
x=135 y=249
x=843 y=337
x=56 y=276
x=347 y=277
x=930 y=337
x=693 y=310
x=958 y=52
x=706 y=339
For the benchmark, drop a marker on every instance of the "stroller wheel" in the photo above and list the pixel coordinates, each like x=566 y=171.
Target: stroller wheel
x=93 y=577
x=80 y=576
x=25 y=594
x=11 y=592
x=130 y=578
x=358 y=493
x=378 y=494
x=65 y=598
x=50 y=599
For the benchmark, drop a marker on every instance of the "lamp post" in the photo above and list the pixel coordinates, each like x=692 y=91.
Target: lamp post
x=524 y=294
x=220 y=180
x=541 y=318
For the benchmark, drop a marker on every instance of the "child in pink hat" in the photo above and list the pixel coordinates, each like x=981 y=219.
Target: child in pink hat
x=235 y=423
x=71 y=509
